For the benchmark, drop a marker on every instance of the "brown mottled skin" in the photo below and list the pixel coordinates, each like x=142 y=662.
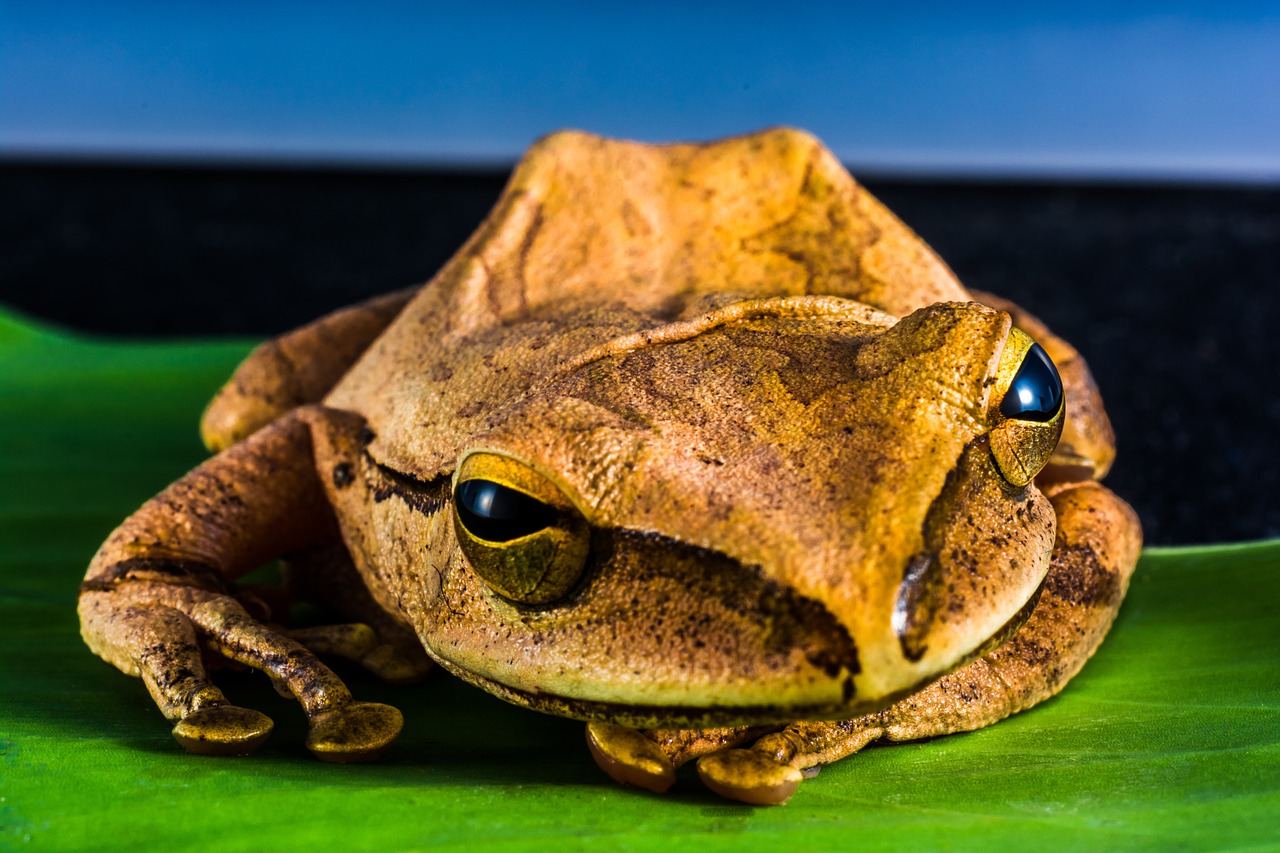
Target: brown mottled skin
x=781 y=512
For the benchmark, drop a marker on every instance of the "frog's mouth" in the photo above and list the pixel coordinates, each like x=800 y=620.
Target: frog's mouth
x=658 y=632
x=651 y=716
x=657 y=716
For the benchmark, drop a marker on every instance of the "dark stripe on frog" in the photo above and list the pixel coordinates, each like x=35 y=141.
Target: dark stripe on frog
x=1089 y=584
x=803 y=623
x=424 y=496
x=159 y=570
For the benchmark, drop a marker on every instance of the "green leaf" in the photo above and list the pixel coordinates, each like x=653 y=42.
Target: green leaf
x=1169 y=738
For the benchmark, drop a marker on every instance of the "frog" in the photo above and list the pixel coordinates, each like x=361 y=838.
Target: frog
x=695 y=443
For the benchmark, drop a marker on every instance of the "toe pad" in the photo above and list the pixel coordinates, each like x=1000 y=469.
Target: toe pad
x=630 y=757
x=749 y=777
x=222 y=730
x=358 y=731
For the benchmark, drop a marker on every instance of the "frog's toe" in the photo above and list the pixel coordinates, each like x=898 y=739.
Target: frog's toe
x=222 y=730
x=630 y=757
x=356 y=731
x=749 y=776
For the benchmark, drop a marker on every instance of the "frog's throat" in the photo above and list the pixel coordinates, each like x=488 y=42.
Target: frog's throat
x=737 y=312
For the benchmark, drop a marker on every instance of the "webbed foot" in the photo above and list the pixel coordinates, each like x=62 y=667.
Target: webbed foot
x=749 y=776
x=631 y=757
x=355 y=732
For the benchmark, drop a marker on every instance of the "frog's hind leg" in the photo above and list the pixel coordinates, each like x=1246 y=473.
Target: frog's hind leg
x=295 y=369
x=1097 y=547
x=158 y=594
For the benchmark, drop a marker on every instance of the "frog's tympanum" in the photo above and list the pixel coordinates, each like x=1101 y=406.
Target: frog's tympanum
x=695 y=443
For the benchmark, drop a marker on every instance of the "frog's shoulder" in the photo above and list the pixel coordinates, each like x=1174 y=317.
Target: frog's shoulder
x=659 y=227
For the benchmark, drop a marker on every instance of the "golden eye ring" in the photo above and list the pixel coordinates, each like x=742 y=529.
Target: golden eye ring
x=1027 y=410
x=517 y=530
x=1035 y=392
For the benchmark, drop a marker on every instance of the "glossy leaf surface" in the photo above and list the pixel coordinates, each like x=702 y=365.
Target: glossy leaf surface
x=1169 y=739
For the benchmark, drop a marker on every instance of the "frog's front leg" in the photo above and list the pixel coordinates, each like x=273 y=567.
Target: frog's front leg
x=1097 y=545
x=158 y=594
x=295 y=369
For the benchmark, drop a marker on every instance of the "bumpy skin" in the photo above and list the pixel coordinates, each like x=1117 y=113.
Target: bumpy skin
x=765 y=425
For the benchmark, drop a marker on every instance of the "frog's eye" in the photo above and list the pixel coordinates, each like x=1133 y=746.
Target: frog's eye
x=1028 y=409
x=492 y=511
x=517 y=530
x=1035 y=394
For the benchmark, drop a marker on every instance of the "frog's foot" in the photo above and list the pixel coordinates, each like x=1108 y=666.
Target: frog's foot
x=760 y=775
x=172 y=666
x=649 y=758
x=771 y=769
x=161 y=635
x=340 y=728
x=631 y=757
x=389 y=658
x=749 y=776
x=222 y=729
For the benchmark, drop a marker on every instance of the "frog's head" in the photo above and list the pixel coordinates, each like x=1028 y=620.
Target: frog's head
x=780 y=509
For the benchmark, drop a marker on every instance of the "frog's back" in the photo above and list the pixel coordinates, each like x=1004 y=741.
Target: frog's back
x=614 y=237
x=596 y=238
x=662 y=226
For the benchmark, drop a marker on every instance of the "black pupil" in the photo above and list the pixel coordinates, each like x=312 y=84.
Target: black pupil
x=496 y=513
x=1036 y=391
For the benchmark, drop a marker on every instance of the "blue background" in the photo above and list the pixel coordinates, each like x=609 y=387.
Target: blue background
x=1187 y=90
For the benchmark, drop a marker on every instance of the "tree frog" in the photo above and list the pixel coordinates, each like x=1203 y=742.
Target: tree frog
x=695 y=443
